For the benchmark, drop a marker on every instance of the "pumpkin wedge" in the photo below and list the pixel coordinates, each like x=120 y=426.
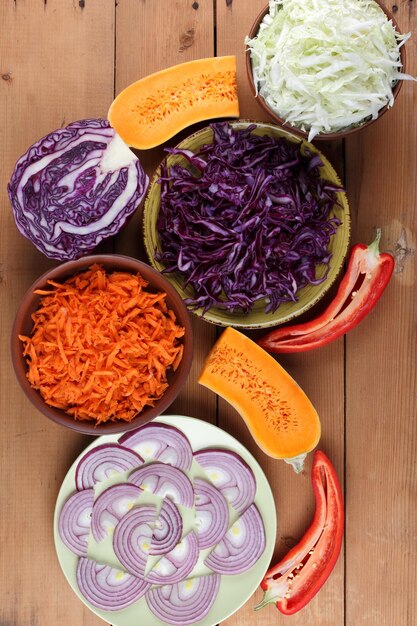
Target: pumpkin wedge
x=152 y=110
x=279 y=415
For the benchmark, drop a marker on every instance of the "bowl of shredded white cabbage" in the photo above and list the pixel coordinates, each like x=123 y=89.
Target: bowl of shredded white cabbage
x=325 y=68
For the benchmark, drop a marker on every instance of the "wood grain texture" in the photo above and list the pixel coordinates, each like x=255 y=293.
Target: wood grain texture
x=381 y=411
x=144 y=45
x=56 y=66
x=142 y=26
x=320 y=374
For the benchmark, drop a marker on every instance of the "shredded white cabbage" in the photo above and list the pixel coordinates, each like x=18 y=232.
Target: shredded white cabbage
x=326 y=65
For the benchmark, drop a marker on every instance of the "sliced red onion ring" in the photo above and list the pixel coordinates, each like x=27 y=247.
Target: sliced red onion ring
x=110 y=506
x=165 y=481
x=242 y=545
x=177 y=564
x=230 y=474
x=185 y=602
x=168 y=529
x=160 y=442
x=104 y=461
x=75 y=521
x=132 y=538
x=212 y=513
x=108 y=588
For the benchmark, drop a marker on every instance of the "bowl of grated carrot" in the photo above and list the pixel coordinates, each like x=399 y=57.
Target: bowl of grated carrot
x=102 y=344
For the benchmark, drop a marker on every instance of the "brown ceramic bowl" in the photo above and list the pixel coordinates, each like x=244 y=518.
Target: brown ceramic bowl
x=111 y=262
x=321 y=136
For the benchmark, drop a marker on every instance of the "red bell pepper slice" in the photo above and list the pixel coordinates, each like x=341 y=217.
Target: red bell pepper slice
x=366 y=278
x=295 y=580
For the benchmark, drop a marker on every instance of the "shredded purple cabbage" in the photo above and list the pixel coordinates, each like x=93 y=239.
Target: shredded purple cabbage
x=247 y=219
x=74 y=188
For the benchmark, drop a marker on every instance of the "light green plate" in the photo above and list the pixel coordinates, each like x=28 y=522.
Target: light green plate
x=234 y=590
x=257 y=318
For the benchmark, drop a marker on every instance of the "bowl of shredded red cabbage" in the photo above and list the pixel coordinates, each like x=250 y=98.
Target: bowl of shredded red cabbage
x=248 y=221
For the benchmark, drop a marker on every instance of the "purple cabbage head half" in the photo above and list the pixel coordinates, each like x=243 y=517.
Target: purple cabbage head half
x=74 y=188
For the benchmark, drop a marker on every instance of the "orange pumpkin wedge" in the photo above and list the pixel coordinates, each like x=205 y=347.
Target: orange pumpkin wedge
x=279 y=415
x=152 y=110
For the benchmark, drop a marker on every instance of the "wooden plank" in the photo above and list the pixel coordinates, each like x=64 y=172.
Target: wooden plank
x=381 y=371
x=56 y=67
x=319 y=373
x=189 y=36
x=148 y=48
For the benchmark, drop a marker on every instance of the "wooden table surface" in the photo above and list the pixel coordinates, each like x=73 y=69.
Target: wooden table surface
x=63 y=60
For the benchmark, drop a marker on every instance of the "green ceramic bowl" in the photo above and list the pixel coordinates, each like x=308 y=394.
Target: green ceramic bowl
x=257 y=318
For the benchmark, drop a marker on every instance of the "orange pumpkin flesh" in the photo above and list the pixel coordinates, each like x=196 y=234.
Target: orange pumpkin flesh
x=280 y=417
x=152 y=110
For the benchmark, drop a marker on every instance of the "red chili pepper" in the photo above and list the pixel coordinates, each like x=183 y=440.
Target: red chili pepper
x=295 y=580
x=366 y=277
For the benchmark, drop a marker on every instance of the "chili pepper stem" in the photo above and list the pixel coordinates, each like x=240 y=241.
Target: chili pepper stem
x=374 y=246
x=268 y=598
x=371 y=257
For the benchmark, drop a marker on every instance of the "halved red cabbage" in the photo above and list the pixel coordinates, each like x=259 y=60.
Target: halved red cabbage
x=168 y=529
x=110 y=506
x=132 y=538
x=108 y=588
x=242 y=545
x=75 y=187
x=212 y=513
x=160 y=442
x=74 y=521
x=177 y=564
x=104 y=461
x=250 y=220
x=185 y=602
x=165 y=481
x=230 y=474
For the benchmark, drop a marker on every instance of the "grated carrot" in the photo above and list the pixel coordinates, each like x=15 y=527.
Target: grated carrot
x=101 y=345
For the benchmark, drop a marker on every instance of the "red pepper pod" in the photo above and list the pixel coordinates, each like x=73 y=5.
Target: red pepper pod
x=296 y=579
x=364 y=282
